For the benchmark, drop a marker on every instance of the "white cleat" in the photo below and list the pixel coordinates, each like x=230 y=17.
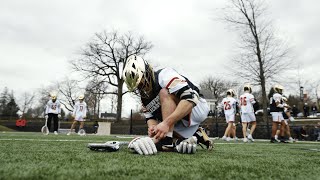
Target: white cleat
x=291 y=140
x=245 y=140
x=55 y=133
x=291 y=119
x=224 y=138
x=250 y=138
x=69 y=133
x=228 y=139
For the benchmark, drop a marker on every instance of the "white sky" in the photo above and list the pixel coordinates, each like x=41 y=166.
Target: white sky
x=37 y=37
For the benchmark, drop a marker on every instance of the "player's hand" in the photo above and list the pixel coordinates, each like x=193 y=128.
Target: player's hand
x=143 y=146
x=187 y=146
x=151 y=132
x=161 y=130
x=59 y=115
x=46 y=116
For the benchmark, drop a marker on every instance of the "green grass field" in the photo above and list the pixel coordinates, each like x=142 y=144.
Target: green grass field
x=35 y=156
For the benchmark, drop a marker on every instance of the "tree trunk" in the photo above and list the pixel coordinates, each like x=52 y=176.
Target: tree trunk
x=119 y=104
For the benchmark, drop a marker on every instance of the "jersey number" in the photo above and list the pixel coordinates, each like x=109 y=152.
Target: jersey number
x=243 y=101
x=227 y=105
x=53 y=107
x=81 y=108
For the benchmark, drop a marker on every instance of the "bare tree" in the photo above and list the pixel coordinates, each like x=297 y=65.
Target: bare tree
x=104 y=58
x=262 y=56
x=68 y=93
x=216 y=87
x=26 y=102
x=94 y=94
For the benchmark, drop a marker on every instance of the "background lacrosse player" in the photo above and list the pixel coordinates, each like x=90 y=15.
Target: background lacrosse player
x=229 y=107
x=53 y=112
x=247 y=113
x=276 y=110
x=79 y=114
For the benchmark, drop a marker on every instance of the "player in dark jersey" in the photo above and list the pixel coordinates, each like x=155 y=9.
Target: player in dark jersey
x=173 y=107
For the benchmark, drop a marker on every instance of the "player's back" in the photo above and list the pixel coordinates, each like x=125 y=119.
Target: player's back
x=246 y=103
x=229 y=105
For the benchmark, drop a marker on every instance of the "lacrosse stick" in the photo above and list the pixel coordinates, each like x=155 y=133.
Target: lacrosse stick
x=109 y=146
x=44 y=129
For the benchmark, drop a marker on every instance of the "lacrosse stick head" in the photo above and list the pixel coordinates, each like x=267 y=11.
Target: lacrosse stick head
x=82 y=132
x=45 y=130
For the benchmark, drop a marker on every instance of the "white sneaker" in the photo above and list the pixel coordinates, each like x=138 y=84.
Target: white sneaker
x=291 y=140
x=250 y=138
x=228 y=139
x=248 y=132
x=69 y=133
x=245 y=140
x=224 y=138
x=55 y=133
x=291 y=119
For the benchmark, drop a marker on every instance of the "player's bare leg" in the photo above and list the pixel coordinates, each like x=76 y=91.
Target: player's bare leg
x=228 y=130
x=81 y=124
x=253 y=127
x=72 y=126
x=244 y=131
x=274 y=131
x=282 y=131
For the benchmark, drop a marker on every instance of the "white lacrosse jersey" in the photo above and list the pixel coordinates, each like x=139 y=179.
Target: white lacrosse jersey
x=172 y=80
x=53 y=107
x=246 y=103
x=229 y=105
x=80 y=110
x=165 y=78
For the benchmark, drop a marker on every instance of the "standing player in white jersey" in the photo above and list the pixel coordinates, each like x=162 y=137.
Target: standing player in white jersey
x=53 y=112
x=229 y=106
x=173 y=108
x=79 y=114
x=247 y=112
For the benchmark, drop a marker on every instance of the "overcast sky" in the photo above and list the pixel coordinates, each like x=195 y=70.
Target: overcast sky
x=38 y=37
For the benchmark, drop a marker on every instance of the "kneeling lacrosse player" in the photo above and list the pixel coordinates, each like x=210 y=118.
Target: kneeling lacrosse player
x=172 y=107
x=79 y=115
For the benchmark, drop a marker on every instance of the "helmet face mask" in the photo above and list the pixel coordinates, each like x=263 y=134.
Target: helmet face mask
x=138 y=75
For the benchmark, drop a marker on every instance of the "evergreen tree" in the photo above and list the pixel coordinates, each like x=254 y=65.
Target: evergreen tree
x=4 y=99
x=11 y=108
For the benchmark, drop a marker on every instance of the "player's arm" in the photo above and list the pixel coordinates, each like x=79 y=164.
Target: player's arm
x=188 y=99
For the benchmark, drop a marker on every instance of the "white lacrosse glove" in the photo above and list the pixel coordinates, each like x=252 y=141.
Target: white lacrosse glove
x=59 y=115
x=143 y=146
x=187 y=146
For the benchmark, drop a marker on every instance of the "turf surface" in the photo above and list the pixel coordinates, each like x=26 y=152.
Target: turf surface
x=35 y=156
